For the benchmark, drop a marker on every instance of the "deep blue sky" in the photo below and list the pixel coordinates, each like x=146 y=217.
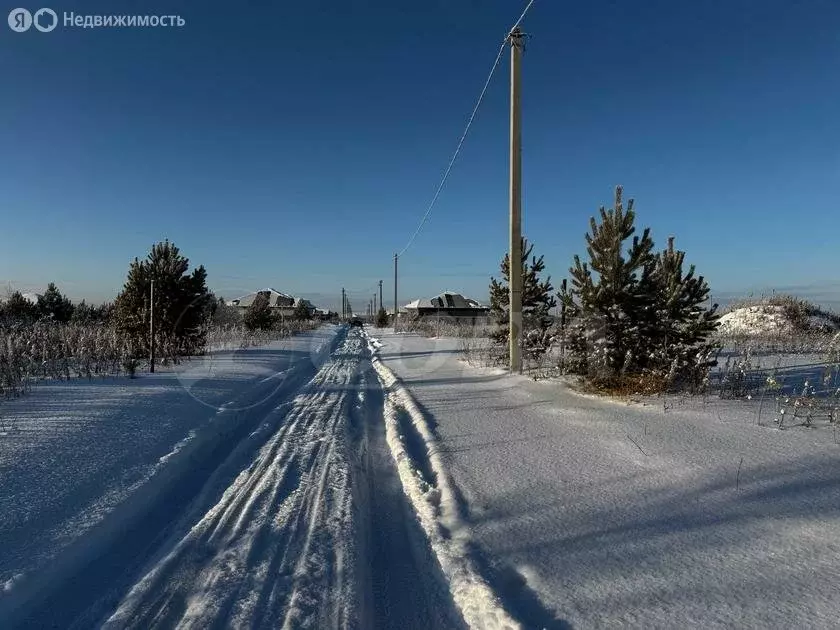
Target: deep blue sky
x=297 y=144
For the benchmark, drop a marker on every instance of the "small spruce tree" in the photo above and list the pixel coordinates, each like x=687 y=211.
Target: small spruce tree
x=679 y=324
x=18 y=310
x=611 y=305
x=537 y=301
x=181 y=303
x=633 y=311
x=301 y=312
x=258 y=315
x=83 y=313
x=381 y=318
x=54 y=305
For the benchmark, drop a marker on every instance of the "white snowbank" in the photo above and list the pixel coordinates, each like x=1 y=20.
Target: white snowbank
x=756 y=320
x=766 y=319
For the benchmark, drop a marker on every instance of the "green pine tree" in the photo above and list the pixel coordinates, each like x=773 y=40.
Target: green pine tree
x=258 y=315
x=182 y=303
x=18 y=310
x=537 y=301
x=608 y=294
x=679 y=324
x=54 y=305
x=83 y=313
x=302 y=311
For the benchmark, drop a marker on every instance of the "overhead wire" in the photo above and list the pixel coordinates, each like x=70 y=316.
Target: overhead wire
x=464 y=135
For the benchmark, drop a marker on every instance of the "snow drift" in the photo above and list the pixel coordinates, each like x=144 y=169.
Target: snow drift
x=782 y=318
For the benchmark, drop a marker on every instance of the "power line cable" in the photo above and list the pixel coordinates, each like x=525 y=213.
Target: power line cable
x=464 y=135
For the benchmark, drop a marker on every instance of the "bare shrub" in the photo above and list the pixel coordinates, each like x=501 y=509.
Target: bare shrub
x=447 y=327
x=627 y=385
x=48 y=350
x=480 y=350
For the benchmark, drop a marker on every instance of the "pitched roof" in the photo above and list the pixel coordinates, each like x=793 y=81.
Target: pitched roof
x=273 y=295
x=447 y=299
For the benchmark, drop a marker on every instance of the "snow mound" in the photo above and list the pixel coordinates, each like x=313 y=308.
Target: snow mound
x=756 y=320
x=773 y=319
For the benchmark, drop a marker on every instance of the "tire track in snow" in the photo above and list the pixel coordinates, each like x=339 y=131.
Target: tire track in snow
x=275 y=550
x=405 y=585
x=434 y=498
x=90 y=576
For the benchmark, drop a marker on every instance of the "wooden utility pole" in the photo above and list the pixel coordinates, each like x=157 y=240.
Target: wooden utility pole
x=374 y=305
x=515 y=39
x=396 y=309
x=152 y=329
x=381 y=303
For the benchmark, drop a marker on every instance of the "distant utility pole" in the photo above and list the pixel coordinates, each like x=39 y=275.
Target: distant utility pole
x=396 y=309
x=152 y=329
x=374 y=304
x=563 y=325
x=381 y=303
x=515 y=38
x=343 y=304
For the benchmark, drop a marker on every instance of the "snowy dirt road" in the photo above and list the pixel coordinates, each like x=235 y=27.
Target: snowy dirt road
x=298 y=522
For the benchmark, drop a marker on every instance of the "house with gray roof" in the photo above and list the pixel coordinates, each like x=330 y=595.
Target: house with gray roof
x=448 y=305
x=279 y=302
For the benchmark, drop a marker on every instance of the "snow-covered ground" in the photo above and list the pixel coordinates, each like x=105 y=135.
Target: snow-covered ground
x=586 y=513
x=263 y=495
x=71 y=453
x=369 y=479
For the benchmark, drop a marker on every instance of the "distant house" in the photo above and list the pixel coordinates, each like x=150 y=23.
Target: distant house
x=282 y=303
x=447 y=305
x=325 y=316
